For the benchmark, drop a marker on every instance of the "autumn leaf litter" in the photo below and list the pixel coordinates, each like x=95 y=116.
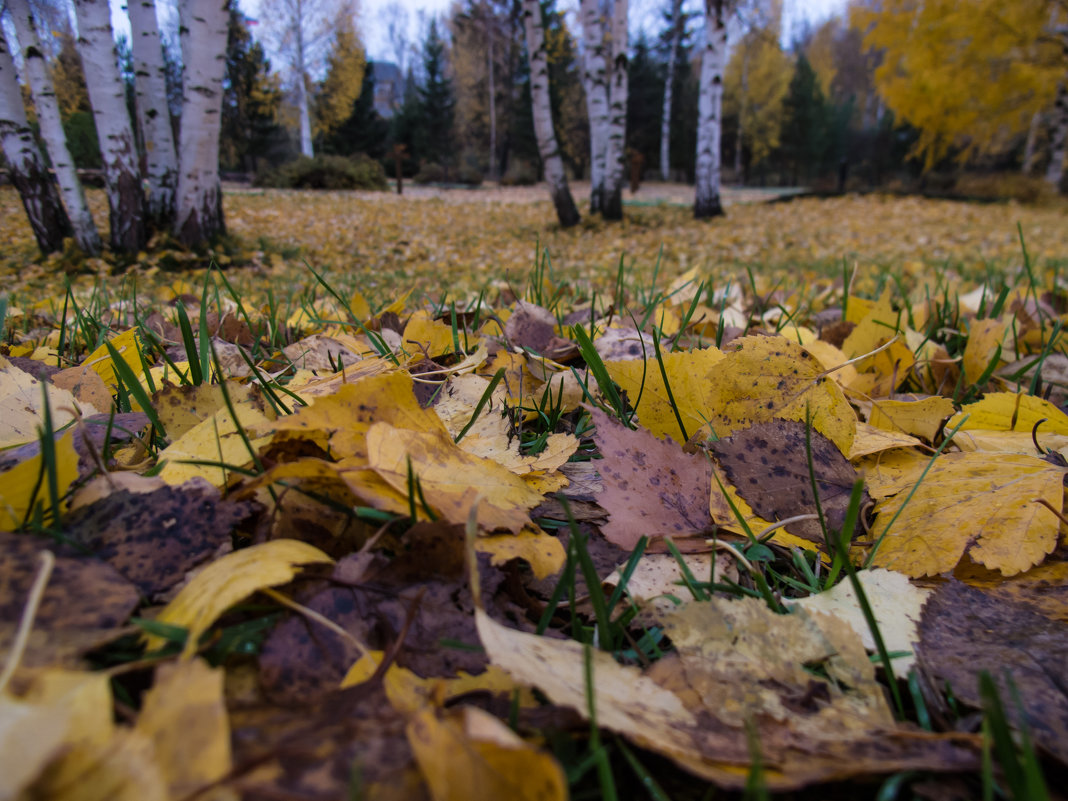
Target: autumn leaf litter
x=377 y=532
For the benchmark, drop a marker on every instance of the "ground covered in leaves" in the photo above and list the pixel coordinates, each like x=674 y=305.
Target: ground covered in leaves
x=778 y=505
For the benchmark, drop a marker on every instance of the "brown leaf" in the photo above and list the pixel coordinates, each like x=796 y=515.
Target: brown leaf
x=964 y=631
x=65 y=608
x=153 y=539
x=768 y=465
x=651 y=487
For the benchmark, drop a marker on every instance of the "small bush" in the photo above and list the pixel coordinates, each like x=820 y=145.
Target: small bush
x=469 y=175
x=326 y=172
x=519 y=173
x=430 y=173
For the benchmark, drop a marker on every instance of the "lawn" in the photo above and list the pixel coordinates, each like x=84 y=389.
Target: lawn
x=422 y=496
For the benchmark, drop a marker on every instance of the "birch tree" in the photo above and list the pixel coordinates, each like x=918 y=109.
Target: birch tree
x=153 y=116
x=604 y=35
x=677 y=24
x=548 y=149
x=709 y=110
x=118 y=151
x=199 y=201
x=300 y=30
x=26 y=166
x=51 y=126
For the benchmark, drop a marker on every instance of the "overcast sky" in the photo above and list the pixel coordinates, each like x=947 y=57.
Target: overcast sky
x=644 y=14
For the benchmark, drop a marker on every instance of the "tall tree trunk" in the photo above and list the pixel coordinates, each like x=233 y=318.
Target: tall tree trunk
x=107 y=96
x=617 y=113
x=552 y=163
x=200 y=216
x=26 y=165
x=51 y=124
x=161 y=162
x=595 y=81
x=493 y=171
x=302 y=86
x=709 y=111
x=669 y=85
x=1058 y=143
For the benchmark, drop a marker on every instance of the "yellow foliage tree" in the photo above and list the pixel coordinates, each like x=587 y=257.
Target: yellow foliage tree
x=969 y=74
x=344 y=78
x=755 y=85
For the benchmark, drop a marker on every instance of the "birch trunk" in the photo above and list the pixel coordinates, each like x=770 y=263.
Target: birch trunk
x=51 y=125
x=617 y=113
x=1058 y=143
x=595 y=81
x=493 y=172
x=302 y=85
x=118 y=151
x=709 y=111
x=548 y=149
x=153 y=116
x=26 y=165
x=665 y=115
x=199 y=214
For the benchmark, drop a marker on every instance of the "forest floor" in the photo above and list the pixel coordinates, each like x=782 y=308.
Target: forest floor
x=424 y=497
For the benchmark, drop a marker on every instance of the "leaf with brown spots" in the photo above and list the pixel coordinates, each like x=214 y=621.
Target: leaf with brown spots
x=651 y=487
x=768 y=465
x=964 y=631
x=153 y=539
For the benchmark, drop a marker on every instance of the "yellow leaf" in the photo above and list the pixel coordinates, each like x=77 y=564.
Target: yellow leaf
x=972 y=503
x=339 y=421
x=184 y=715
x=128 y=346
x=984 y=337
x=216 y=440
x=408 y=692
x=432 y=338
x=87 y=387
x=1008 y=411
x=22 y=399
x=543 y=552
x=690 y=376
x=762 y=378
x=359 y=306
x=921 y=418
x=870 y=439
x=831 y=358
x=182 y=408
x=450 y=478
x=27 y=480
x=469 y=755
x=879 y=323
x=230 y=579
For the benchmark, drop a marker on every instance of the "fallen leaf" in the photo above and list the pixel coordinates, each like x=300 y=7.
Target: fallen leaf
x=920 y=418
x=450 y=479
x=651 y=488
x=230 y=579
x=964 y=632
x=768 y=464
x=894 y=601
x=468 y=755
x=25 y=485
x=970 y=503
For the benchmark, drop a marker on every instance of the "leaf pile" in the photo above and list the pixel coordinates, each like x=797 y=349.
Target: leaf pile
x=336 y=549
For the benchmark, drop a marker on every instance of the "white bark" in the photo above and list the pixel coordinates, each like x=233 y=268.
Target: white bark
x=153 y=116
x=302 y=86
x=199 y=214
x=51 y=126
x=665 y=117
x=1058 y=144
x=709 y=110
x=595 y=81
x=26 y=166
x=107 y=96
x=552 y=163
x=618 y=87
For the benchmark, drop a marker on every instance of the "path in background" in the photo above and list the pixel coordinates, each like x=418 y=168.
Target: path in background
x=651 y=193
